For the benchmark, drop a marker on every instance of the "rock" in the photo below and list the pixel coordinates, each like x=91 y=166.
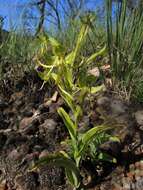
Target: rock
x=14 y=155
x=139 y=117
x=32 y=156
x=102 y=101
x=25 y=122
x=30 y=129
x=118 y=107
x=84 y=124
x=95 y=72
x=49 y=125
x=29 y=125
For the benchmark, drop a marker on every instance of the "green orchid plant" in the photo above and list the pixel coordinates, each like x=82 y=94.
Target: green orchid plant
x=56 y=65
x=77 y=146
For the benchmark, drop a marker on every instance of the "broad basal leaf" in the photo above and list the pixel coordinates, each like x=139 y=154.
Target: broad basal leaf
x=59 y=160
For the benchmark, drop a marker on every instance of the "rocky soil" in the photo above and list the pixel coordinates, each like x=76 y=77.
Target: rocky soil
x=31 y=128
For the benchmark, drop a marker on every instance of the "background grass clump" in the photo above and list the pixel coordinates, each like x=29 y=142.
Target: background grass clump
x=125 y=43
x=16 y=53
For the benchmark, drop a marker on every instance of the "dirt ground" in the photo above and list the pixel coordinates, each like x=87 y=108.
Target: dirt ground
x=30 y=128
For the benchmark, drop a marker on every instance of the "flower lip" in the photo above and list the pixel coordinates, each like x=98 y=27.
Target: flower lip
x=40 y=69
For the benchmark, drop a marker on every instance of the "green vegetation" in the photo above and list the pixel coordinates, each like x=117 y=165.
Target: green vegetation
x=64 y=58
x=78 y=144
x=16 y=53
x=59 y=66
x=125 y=42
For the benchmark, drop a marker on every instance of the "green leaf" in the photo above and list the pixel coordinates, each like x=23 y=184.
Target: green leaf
x=70 y=58
x=73 y=179
x=95 y=55
x=55 y=77
x=115 y=139
x=81 y=37
x=90 y=134
x=77 y=113
x=87 y=137
x=68 y=76
x=97 y=89
x=68 y=123
x=58 y=49
x=38 y=62
x=67 y=97
x=81 y=93
x=72 y=172
x=64 y=154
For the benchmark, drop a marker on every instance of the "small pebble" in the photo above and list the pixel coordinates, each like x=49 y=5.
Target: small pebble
x=14 y=155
